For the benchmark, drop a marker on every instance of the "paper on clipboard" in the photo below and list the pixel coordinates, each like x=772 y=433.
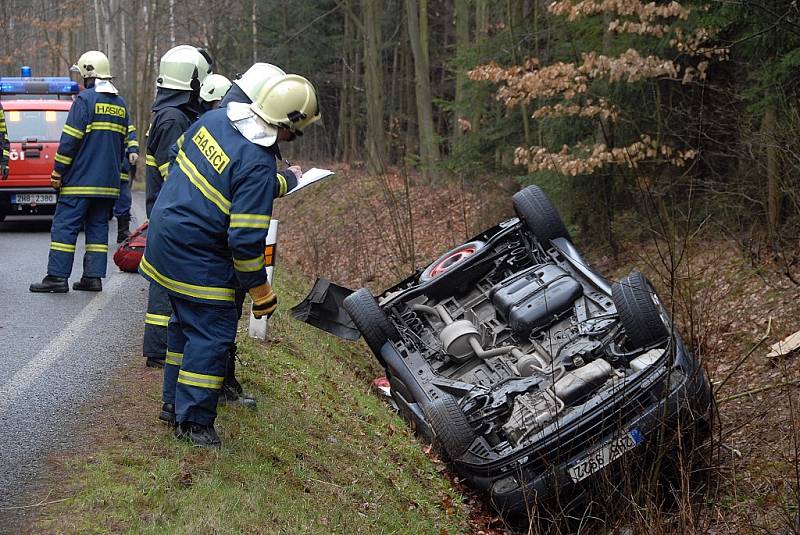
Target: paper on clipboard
x=309 y=177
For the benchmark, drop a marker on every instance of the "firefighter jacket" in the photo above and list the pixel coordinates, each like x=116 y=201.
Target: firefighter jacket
x=92 y=145
x=208 y=229
x=235 y=94
x=131 y=147
x=173 y=112
x=4 y=152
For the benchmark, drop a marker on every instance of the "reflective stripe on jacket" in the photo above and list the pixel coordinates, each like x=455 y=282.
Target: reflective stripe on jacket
x=207 y=230
x=92 y=145
x=4 y=152
x=167 y=124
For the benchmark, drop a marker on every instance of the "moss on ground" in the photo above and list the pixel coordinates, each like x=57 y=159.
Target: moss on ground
x=322 y=454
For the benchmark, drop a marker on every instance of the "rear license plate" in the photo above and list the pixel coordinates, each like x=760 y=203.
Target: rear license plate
x=605 y=455
x=33 y=198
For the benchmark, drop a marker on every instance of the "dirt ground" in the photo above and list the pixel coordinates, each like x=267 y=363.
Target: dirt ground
x=731 y=303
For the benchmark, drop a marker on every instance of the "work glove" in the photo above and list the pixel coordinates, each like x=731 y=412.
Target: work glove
x=132 y=157
x=55 y=180
x=4 y=171
x=264 y=300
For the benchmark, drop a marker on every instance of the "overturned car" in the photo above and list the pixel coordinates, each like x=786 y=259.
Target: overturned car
x=532 y=372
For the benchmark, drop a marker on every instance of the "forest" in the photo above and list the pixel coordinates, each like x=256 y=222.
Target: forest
x=667 y=134
x=599 y=101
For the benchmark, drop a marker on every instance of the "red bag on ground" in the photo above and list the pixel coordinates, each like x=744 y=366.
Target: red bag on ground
x=130 y=251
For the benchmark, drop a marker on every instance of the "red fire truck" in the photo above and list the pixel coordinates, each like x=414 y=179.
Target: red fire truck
x=35 y=111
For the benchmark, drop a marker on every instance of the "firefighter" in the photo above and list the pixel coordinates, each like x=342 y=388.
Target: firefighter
x=86 y=174
x=177 y=105
x=122 y=208
x=206 y=239
x=245 y=89
x=4 y=152
x=212 y=90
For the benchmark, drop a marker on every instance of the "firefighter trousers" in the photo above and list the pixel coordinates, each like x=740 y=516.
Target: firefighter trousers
x=154 y=345
x=71 y=213
x=123 y=205
x=199 y=338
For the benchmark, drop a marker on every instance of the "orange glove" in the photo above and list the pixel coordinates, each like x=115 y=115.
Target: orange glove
x=55 y=180
x=264 y=300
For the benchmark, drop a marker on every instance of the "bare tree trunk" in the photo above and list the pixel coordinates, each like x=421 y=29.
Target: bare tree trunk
x=255 y=33
x=768 y=133
x=171 y=23
x=428 y=144
x=481 y=35
x=97 y=34
x=373 y=85
x=461 y=14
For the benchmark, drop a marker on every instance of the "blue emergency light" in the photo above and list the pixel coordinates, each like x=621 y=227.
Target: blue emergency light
x=46 y=85
x=25 y=71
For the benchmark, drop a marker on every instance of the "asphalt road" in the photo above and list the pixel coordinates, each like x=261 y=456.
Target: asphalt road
x=57 y=351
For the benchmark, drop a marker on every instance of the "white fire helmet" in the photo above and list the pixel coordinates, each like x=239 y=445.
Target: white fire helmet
x=93 y=64
x=214 y=87
x=184 y=68
x=288 y=102
x=257 y=77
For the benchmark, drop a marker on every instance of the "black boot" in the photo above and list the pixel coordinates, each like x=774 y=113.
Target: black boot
x=167 y=414
x=88 y=284
x=203 y=436
x=232 y=392
x=50 y=284
x=123 y=228
x=154 y=362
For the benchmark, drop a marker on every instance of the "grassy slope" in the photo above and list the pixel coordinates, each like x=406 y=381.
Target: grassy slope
x=321 y=455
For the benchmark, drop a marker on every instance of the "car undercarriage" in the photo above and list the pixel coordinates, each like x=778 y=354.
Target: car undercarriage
x=522 y=363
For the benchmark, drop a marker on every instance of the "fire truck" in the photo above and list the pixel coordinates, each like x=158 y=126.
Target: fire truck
x=35 y=111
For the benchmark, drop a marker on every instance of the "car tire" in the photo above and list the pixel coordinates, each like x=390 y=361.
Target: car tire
x=640 y=311
x=454 y=256
x=541 y=218
x=452 y=433
x=370 y=319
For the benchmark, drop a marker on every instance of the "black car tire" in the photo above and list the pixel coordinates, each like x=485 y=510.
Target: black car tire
x=451 y=431
x=540 y=216
x=640 y=311
x=370 y=319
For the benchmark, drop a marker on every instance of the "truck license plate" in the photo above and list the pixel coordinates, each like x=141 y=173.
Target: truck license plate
x=33 y=198
x=605 y=455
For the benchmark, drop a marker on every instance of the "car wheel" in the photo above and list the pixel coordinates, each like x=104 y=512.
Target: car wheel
x=370 y=319
x=450 y=259
x=640 y=311
x=451 y=431
x=540 y=216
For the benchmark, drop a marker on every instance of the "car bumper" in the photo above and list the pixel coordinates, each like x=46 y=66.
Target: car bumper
x=689 y=399
x=9 y=208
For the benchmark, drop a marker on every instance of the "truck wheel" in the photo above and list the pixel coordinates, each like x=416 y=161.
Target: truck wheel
x=540 y=216
x=451 y=431
x=370 y=319
x=640 y=311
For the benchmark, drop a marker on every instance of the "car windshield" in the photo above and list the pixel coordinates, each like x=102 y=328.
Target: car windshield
x=39 y=125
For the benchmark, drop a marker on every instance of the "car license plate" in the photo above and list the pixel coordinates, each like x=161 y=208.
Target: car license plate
x=605 y=455
x=33 y=198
